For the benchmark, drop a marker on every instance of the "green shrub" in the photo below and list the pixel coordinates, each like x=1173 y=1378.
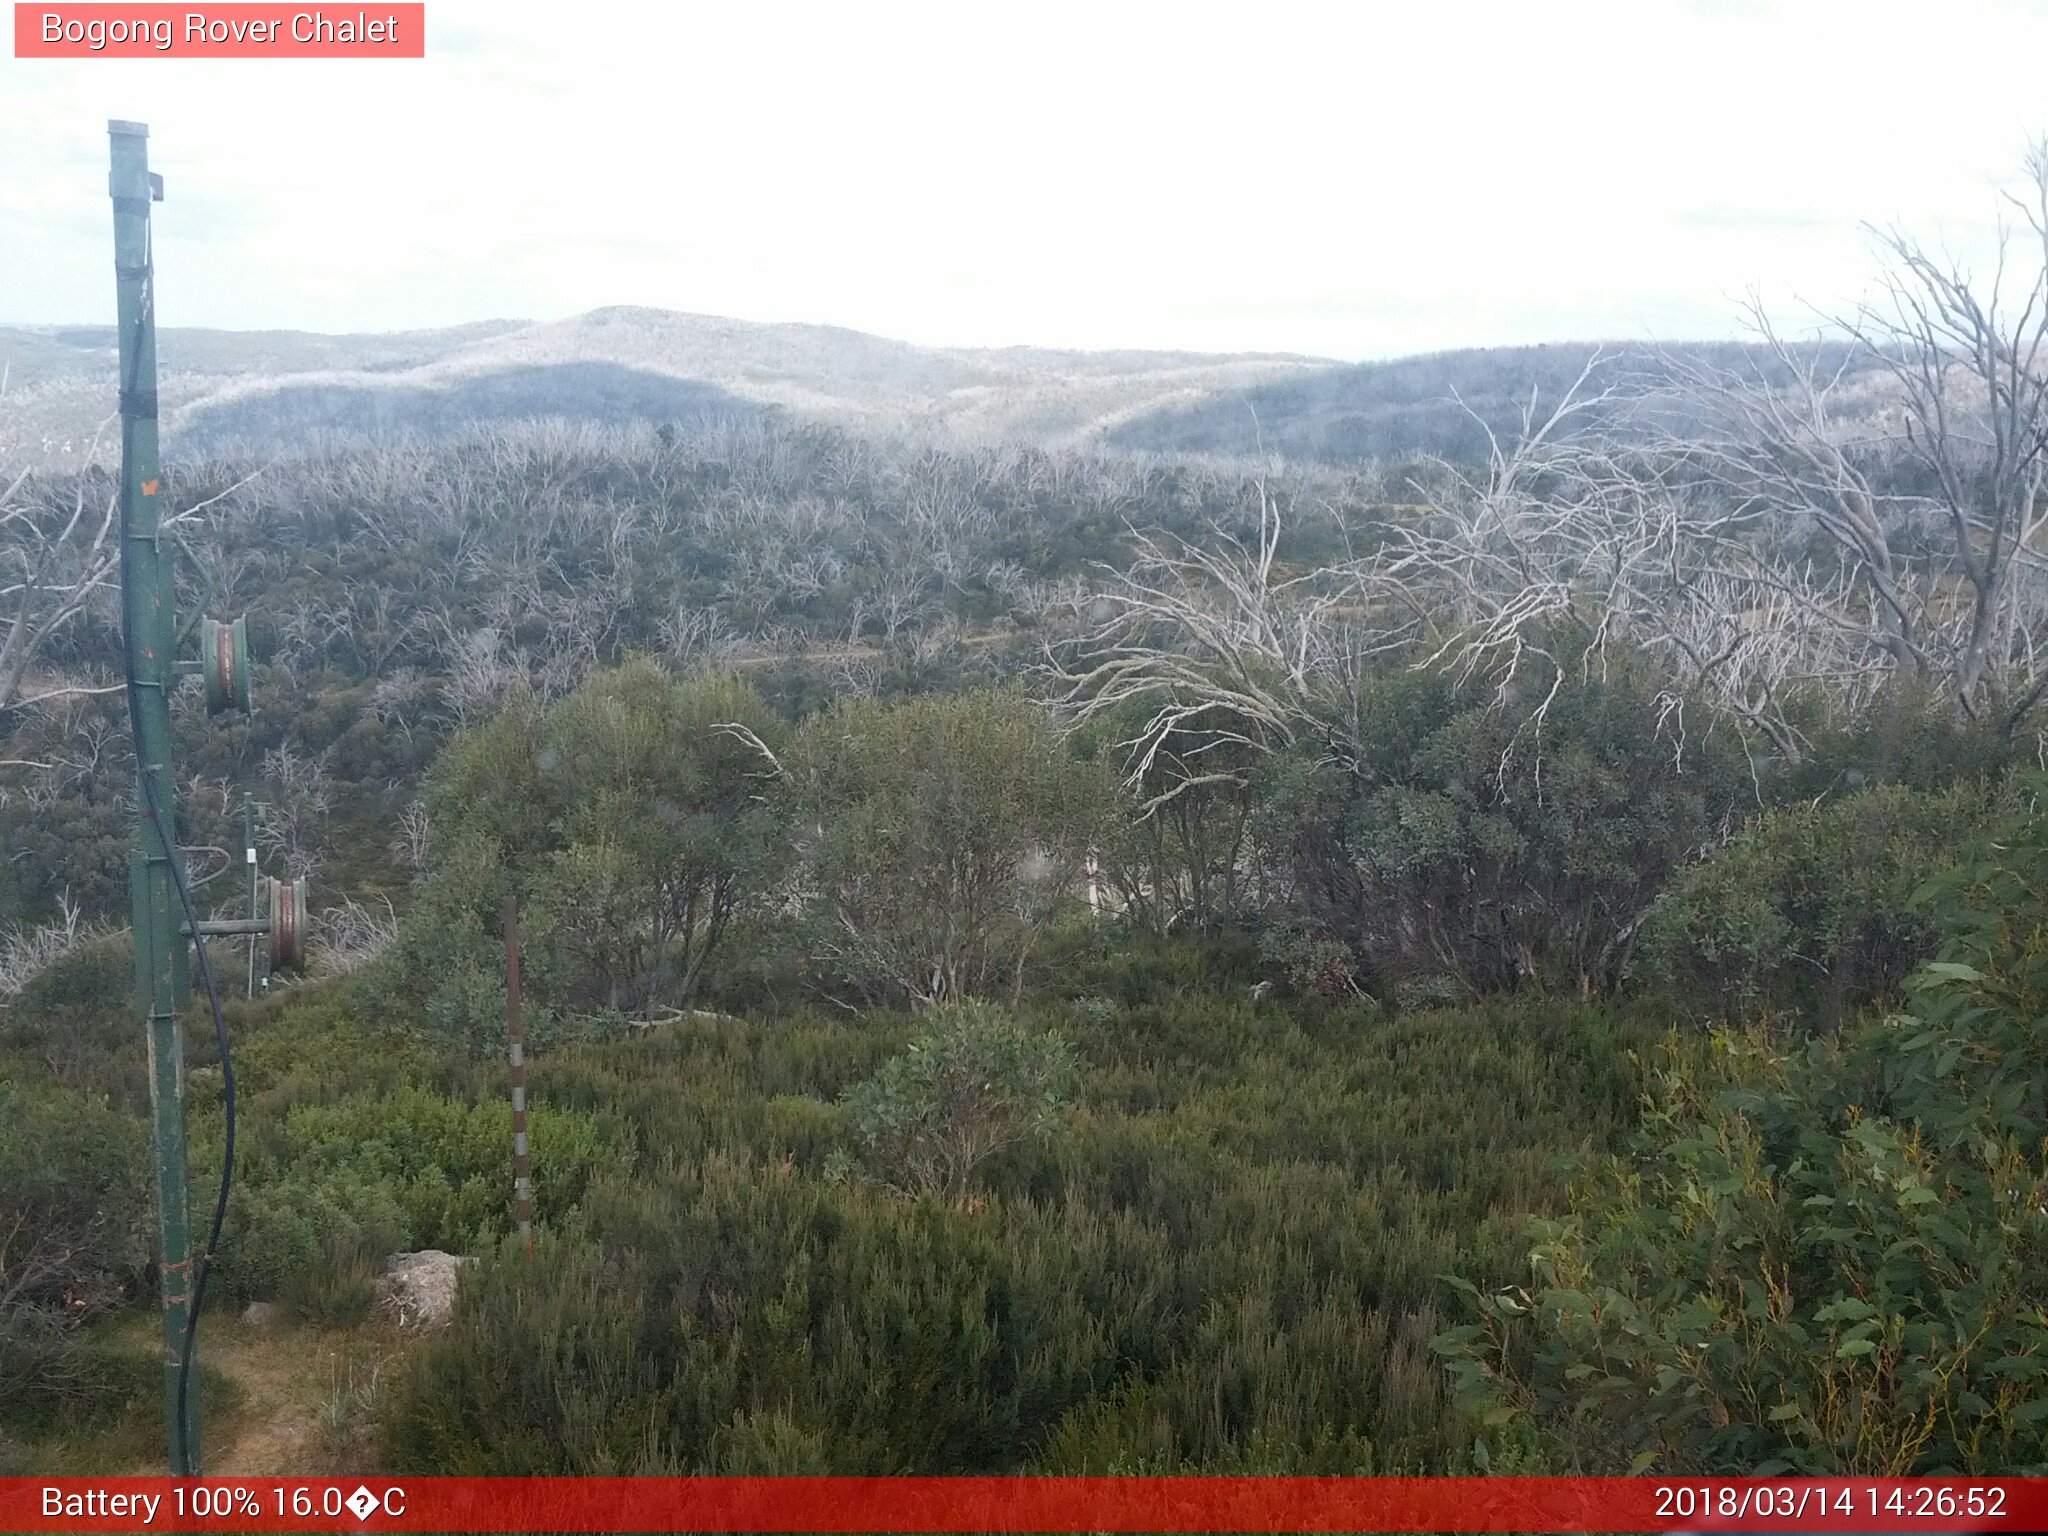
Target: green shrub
x=1174 y=862
x=303 y=1239
x=1311 y=963
x=1227 y=1257
x=1137 y=967
x=74 y=1208
x=76 y=1022
x=328 y=1042
x=325 y=1191
x=1808 y=911
x=972 y=1083
x=639 y=819
x=949 y=833
x=107 y=1380
x=96 y=977
x=1471 y=842
x=1909 y=733
x=1824 y=1259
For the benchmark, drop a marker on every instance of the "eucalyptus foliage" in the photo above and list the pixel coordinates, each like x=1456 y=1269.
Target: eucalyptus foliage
x=1823 y=1257
x=1807 y=914
x=973 y=1082
x=638 y=819
x=942 y=835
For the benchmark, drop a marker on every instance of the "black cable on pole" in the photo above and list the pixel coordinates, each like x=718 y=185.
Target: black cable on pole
x=154 y=811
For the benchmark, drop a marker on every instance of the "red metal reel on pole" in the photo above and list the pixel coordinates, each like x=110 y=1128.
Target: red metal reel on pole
x=286 y=909
x=224 y=662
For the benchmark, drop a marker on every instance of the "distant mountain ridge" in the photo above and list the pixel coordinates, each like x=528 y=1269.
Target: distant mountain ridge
x=270 y=388
x=220 y=386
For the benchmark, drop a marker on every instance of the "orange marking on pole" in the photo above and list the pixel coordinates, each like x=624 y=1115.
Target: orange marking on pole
x=149 y=487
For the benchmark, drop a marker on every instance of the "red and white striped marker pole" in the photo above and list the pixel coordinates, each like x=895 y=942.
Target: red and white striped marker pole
x=515 y=1032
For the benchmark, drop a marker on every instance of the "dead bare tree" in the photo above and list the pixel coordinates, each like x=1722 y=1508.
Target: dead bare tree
x=60 y=555
x=479 y=673
x=902 y=599
x=1973 y=378
x=698 y=637
x=25 y=953
x=1574 y=542
x=414 y=839
x=1929 y=501
x=1223 y=648
x=1580 y=540
x=56 y=556
x=1769 y=526
x=299 y=793
x=351 y=935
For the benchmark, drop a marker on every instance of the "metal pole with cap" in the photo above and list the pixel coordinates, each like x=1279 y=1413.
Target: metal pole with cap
x=150 y=639
x=166 y=922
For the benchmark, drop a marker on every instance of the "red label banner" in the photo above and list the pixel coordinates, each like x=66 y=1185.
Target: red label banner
x=1053 y=1504
x=223 y=31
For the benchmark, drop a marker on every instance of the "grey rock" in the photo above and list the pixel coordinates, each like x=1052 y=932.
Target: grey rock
x=419 y=1288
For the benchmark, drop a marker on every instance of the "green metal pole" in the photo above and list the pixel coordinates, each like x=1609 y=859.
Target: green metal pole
x=146 y=596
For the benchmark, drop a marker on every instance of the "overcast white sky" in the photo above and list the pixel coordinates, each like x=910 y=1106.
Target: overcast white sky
x=1349 y=180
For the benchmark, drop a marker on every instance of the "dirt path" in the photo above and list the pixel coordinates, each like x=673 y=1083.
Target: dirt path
x=307 y=1398
x=284 y=1376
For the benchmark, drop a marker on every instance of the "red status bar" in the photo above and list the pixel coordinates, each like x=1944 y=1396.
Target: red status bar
x=1053 y=1504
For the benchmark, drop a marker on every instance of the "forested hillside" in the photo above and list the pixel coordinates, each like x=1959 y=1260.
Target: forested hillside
x=1088 y=961
x=395 y=592
x=1451 y=405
